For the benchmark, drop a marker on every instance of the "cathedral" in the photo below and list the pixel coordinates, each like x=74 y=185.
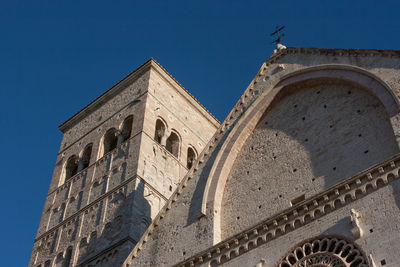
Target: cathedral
x=304 y=170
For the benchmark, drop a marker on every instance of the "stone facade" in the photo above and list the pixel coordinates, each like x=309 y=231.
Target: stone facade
x=304 y=171
x=115 y=170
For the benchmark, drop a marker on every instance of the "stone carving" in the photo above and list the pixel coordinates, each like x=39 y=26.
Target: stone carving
x=278 y=48
x=356 y=224
x=261 y=263
x=352 y=189
x=322 y=259
x=326 y=252
x=99 y=206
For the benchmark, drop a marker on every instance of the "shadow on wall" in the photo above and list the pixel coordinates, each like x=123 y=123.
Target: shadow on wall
x=112 y=231
x=342 y=227
x=196 y=201
x=313 y=135
x=328 y=131
x=129 y=218
x=396 y=192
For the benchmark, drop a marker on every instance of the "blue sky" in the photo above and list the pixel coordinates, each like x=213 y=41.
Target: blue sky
x=57 y=56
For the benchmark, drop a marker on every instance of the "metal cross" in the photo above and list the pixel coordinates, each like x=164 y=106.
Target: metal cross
x=278 y=34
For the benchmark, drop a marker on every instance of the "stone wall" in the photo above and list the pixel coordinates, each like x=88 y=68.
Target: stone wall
x=98 y=209
x=311 y=137
x=187 y=231
x=378 y=210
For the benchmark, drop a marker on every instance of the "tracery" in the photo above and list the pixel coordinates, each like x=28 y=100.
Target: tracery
x=324 y=252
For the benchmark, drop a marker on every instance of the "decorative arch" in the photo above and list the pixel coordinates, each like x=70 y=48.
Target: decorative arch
x=70 y=168
x=84 y=159
x=329 y=251
x=173 y=143
x=110 y=141
x=191 y=156
x=213 y=192
x=68 y=257
x=160 y=131
x=126 y=128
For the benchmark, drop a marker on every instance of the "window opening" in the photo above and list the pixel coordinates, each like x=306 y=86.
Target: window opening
x=110 y=140
x=191 y=157
x=71 y=168
x=160 y=131
x=127 y=128
x=85 y=159
x=68 y=255
x=172 y=144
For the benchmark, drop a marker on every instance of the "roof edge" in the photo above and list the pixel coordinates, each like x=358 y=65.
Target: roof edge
x=119 y=86
x=186 y=94
x=94 y=104
x=338 y=51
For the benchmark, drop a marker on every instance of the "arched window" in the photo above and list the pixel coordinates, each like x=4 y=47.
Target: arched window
x=172 y=144
x=93 y=236
x=71 y=168
x=68 y=256
x=191 y=157
x=85 y=158
x=160 y=131
x=127 y=128
x=47 y=263
x=62 y=212
x=59 y=260
x=83 y=242
x=110 y=140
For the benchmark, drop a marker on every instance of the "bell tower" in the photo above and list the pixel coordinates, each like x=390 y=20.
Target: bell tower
x=120 y=159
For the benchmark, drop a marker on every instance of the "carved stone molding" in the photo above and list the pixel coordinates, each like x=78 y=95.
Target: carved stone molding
x=75 y=216
x=325 y=251
x=299 y=215
x=245 y=100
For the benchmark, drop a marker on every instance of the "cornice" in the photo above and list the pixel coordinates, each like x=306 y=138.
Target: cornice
x=134 y=101
x=245 y=100
x=151 y=63
x=104 y=97
x=98 y=161
x=75 y=216
x=105 y=251
x=300 y=214
x=118 y=87
x=118 y=189
x=185 y=93
x=341 y=51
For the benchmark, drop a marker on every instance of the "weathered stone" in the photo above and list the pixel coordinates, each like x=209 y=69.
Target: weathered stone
x=103 y=196
x=304 y=170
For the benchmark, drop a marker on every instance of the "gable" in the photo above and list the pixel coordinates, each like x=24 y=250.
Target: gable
x=178 y=239
x=312 y=136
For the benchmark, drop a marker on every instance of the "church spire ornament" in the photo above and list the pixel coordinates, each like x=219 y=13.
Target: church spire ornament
x=278 y=39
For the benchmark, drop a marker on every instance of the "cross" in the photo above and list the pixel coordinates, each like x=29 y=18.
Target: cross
x=279 y=35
